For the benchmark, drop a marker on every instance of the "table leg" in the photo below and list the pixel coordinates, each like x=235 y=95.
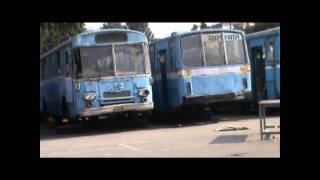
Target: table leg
x=260 y=117
x=264 y=117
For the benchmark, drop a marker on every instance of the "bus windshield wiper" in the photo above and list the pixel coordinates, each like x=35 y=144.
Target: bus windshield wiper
x=100 y=73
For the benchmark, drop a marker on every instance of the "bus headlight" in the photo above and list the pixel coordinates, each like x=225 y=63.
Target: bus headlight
x=143 y=92
x=77 y=86
x=90 y=96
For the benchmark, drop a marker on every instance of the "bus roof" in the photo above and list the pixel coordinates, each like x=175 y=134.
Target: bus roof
x=87 y=33
x=267 y=32
x=207 y=30
x=108 y=30
x=197 y=31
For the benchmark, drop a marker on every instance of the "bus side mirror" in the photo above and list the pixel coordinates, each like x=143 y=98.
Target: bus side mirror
x=151 y=80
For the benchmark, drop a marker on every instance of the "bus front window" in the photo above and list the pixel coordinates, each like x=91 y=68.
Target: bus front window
x=129 y=59
x=213 y=49
x=235 y=48
x=191 y=51
x=96 y=61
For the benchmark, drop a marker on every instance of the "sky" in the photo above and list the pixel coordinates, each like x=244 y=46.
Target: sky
x=160 y=30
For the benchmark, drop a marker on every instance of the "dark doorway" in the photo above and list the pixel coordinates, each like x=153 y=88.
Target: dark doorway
x=163 y=60
x=258 y=73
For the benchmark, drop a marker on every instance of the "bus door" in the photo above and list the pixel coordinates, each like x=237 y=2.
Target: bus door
x=163 y=59
x=68 y=76
x=258 y=72
x=270 y=68
x=277 y=57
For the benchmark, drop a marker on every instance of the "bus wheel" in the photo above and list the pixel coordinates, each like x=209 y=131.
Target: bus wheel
x=144 y=119
x=47 y=118
x=44 y=115
x=64 y=118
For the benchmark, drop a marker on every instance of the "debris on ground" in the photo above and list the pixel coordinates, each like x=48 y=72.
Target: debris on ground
x=275 y=139
x=232 y=129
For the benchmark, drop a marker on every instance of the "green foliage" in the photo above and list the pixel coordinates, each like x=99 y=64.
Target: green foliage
x=112 y=25
x=194 y=27
x=142 y=27
x=258 y=26
x=203 y=26
x=52 y=34
x=155 y=39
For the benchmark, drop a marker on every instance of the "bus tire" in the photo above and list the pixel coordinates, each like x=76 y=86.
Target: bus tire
x=42 y=118
x=65 y=114
x=44 y=113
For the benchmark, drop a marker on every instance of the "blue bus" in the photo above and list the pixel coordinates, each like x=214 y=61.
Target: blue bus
x=97 y=73
x=198 y=68
x=264 y=50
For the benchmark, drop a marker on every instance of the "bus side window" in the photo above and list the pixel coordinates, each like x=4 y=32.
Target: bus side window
x=48 y=67
x=151 y=55
x=43 y=65
x=58 y=63
x=148 y=64
x=55 y=66
x=261 y=55
x=67 y=56
x=45 y=69
x=61 y=61
x=41 y=69
x=170 y=69
x=76 y=65
x=167 y=60
x=172 y=52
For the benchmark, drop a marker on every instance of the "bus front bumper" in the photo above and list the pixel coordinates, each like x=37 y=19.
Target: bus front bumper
x=117 y=108
x=207 y=99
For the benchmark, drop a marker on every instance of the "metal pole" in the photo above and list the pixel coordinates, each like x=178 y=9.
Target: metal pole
x=260 y=117
x=114 y=61
x=224 y=47
x=203 y=52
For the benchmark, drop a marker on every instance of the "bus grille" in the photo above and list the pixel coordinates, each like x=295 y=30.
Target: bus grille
x=116 y=94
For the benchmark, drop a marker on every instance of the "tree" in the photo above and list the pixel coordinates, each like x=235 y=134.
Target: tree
x=112 y=25
x=149 y=34
x=258 y=26
x=203 y=25
x=142 y=27
x=155 y=39
x=51 y=34
x=194 y=27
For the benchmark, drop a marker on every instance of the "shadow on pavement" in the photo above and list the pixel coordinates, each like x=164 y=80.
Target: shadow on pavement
x=156 y=121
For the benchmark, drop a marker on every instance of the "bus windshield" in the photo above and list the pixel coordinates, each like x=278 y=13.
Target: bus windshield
x=98 y=61
x=213 y=50
x=95 y=62
x=129 y=59
x=235 y=48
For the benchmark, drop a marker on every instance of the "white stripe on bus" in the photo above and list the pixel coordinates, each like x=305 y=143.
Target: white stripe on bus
x=272 y=66
x=201 y=71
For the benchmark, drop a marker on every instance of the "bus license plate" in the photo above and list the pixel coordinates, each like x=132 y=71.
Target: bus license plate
x=120 y=108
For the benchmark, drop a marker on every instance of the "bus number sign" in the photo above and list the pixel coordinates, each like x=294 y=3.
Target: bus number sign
x=228 y=37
